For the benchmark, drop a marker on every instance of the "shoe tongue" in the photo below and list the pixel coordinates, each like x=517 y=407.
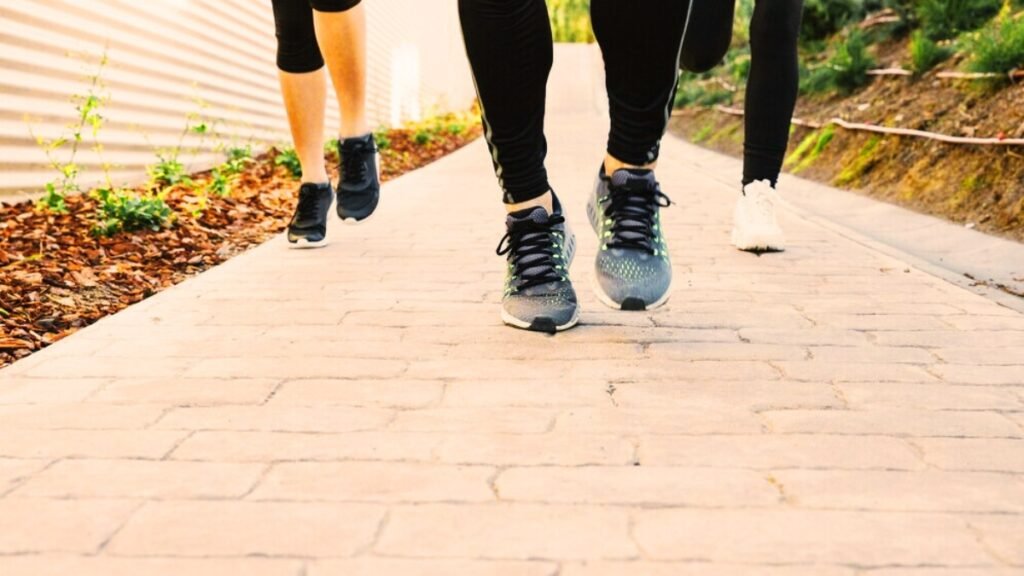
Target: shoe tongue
x=310 y=187
x=536 y=214
x=358 y=143
x=630 y=177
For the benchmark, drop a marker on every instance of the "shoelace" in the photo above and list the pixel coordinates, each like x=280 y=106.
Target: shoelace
x=309 y=204
x=632 y=209
x=353 y=167
x=532 y=252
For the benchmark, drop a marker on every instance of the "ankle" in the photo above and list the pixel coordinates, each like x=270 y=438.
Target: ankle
x=613 y=164
x=547 y=200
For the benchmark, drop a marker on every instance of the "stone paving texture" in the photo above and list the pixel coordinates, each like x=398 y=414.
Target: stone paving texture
x=828 y=411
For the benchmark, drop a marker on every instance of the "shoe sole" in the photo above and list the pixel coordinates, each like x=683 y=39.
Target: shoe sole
x=541 y=323
x=630 y=304
x=303 y=244
x=757 y=242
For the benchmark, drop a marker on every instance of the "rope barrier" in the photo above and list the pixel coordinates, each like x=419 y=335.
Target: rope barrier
x=857 y=126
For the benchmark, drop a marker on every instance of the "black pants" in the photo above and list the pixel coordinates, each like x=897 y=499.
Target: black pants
x=509 y=48
x=297 y=48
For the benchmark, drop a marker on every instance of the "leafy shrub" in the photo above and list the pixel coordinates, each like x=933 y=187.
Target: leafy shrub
x=999 y=48
x=694 y=93
x=945 y=19
x=169 y=170
x=570 y=20
x=289 y=158
x=423 y=136
x=127 y=211
x=381 y=138
x=846 y=70
x=823 y=18
x=238 y=158
x=925 y=53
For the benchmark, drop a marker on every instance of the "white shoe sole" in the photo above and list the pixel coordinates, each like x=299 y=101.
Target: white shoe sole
x=609 y=302
x=758 y=241
x=510 y=320
x=307 y=245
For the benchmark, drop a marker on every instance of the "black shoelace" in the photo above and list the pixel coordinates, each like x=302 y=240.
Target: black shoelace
x=632 y=209
x=532 y=252
x=309 y=204
x=353 y=166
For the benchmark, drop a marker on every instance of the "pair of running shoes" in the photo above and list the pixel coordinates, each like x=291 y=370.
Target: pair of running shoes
x=633 y=271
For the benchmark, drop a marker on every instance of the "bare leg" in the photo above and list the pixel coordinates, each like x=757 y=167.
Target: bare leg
x=342 y=39
x=305 y=98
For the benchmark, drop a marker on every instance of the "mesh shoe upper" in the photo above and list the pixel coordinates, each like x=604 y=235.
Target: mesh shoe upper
x=539 y=248
x=633 y=260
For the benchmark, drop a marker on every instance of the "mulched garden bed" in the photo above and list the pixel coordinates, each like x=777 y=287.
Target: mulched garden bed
x=57 y=276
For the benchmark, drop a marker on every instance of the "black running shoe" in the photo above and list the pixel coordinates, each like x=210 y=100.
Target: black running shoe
x=308 y=228
x=538 y=294
x=359 y=189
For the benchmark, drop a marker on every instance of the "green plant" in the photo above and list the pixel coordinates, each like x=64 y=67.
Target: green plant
x=866 y=158
x=423 y=137
x=221 y=181
x=823 y=18
x=88 y=118
x=238 y=158
x=998 y=48
x=127 y=211
x=169 y=170
x=289 y=158
x=945 y=19
x=380 y=136
x=925 y=53
x=570 y=20
x=810 y=148
x=846 y=70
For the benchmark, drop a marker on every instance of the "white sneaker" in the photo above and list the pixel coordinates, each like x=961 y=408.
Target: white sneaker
x=754 y=226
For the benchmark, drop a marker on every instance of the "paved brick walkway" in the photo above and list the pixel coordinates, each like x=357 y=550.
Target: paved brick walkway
x=829 y=411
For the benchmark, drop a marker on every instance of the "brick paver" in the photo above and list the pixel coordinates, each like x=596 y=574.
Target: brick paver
x=828 y=411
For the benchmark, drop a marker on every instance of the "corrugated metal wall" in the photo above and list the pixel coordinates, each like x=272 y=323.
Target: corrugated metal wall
x=164 y=55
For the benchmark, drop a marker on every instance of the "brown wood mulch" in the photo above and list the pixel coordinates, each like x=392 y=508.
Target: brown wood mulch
x=57 y=277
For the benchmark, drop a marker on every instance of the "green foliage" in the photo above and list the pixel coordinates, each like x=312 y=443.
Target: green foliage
x=423 y=136
x=380 y=136
x=88 y=119
x=168 y=170
x=127 y=211
x=570 y=21
x=998 y=48
x=866 y=158
x=823 y=18
x=810 y=148
x=696 y=92
x=945 y=19
x=289 y=158
x=847 y=68
x=925 y=53
x=238 y=159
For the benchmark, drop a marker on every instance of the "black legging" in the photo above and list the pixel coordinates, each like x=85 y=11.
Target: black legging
x=297 y=48
x=774 y=74
x=509 y=48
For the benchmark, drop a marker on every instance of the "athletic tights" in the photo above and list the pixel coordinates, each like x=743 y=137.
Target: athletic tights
x=509 y=45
